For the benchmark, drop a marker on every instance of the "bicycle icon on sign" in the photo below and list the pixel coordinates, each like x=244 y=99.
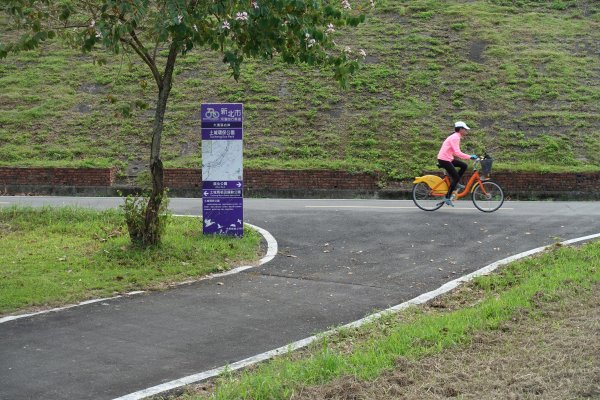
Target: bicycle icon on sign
x=211 y=113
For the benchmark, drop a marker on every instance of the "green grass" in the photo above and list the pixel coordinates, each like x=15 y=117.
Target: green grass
x=368 y=351
x=522 y=73
x=65 y=255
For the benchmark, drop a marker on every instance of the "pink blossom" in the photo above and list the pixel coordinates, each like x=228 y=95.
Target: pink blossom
x=226 y=25
x=242 y=16
x=346 y=5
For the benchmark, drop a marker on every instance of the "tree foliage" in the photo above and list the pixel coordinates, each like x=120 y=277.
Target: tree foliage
x=298 y=31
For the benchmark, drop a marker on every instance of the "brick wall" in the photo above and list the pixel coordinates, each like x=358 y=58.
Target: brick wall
x=312 y=179
x=551 y=182
x=183 y=178
x=281 y=179
x=57 y=176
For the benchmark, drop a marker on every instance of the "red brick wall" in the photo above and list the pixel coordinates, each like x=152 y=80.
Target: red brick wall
x=57 y=176
x=313 y=179
x=290 y=179
x=280 y=179
x=183 y=178
x=551 y=182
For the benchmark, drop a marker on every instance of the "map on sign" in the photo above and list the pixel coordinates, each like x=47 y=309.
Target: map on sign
x=222 y=160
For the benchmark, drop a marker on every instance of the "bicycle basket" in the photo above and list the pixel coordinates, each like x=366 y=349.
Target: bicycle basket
x=486 y=166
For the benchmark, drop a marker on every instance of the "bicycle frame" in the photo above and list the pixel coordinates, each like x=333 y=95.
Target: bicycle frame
x=475 y=179
x=439 y=191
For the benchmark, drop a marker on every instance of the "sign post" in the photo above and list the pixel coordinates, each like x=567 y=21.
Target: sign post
x=222 y=168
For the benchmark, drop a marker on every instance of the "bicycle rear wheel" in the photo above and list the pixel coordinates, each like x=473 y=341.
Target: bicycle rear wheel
x=423 y=197
x=488 y=197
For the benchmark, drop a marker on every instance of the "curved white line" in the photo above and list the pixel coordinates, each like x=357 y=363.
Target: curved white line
x=271 y=253
x=272 y=248
x=447 y=287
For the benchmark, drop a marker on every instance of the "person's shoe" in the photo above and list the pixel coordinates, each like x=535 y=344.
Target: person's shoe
x=448 y=202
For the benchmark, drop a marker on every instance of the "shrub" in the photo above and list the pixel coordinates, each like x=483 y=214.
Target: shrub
x=135 y=217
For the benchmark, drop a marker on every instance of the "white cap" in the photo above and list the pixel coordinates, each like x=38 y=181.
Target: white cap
x=460 y=124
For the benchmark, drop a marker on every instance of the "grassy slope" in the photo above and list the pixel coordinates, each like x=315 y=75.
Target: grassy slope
x=524 y=73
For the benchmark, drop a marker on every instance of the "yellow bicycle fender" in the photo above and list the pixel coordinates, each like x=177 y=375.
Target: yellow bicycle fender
x=434 y=182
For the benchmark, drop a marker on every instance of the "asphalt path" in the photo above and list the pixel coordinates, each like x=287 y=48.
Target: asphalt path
x=338 y=261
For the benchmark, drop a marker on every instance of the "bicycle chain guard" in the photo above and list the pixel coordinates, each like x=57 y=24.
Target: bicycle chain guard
x=434 y=182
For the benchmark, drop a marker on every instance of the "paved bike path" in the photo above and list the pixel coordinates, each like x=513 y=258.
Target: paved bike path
x=335 y=265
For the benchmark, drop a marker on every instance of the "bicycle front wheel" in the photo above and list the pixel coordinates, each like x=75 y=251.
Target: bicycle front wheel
x=488 y=197
x=424 y=199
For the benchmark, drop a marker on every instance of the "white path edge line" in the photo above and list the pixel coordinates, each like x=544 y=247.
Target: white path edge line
x=397 y=207
x=272 y=250
x=177 y=383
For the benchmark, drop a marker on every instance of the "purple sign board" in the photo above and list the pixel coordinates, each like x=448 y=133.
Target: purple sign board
x=222 y=168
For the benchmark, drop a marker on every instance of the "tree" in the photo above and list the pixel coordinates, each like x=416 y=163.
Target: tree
x=158 y=32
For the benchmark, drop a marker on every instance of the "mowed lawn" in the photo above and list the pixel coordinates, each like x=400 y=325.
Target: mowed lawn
x=58 y=256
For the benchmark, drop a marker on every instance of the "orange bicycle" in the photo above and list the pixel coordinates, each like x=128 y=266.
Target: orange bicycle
x=429 y=191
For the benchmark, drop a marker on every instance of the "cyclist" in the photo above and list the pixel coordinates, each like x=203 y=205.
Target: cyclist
x=446 y=159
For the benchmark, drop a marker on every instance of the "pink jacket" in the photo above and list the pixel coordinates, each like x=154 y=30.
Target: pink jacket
x=451 y=148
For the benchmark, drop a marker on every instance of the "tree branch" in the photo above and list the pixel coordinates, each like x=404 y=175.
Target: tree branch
x=56 y=28
x=155 y=50
x=140 y=49
x=151 y=61
x=139 y=44
x=147 y=60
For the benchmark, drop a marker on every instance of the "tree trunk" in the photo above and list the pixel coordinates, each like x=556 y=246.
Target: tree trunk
x=152 y=222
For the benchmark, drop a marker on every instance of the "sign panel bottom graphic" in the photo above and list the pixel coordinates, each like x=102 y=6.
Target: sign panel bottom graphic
x=223 y=215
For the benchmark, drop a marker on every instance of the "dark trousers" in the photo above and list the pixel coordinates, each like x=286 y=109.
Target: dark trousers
x=450 y=168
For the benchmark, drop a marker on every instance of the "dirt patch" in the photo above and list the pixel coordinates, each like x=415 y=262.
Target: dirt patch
x=5 y=229
x=92 y=88
x=476 y=51
x=554 y=354
x=83 y=108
